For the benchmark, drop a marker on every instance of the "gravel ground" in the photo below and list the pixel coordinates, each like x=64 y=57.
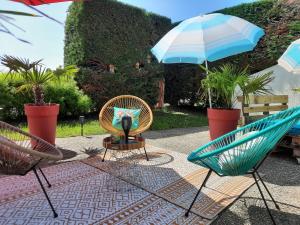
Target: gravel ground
x=280 y=170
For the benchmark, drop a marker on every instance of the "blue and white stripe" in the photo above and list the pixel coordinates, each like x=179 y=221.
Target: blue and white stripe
x=208 y=37
x=290 y=60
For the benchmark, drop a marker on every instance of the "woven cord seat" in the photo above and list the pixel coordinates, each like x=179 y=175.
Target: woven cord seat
x=21 y=152
x=242 y=151
x=106 y=115
x=129 y=102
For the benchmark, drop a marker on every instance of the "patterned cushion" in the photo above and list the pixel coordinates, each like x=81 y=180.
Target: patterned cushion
x=119 y=113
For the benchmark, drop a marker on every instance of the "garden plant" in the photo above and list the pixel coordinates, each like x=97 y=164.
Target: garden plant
x=33 y=77
x=223 y=83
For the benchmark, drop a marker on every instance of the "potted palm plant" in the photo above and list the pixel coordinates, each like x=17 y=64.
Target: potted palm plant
x=41 y=116
x=223 y=83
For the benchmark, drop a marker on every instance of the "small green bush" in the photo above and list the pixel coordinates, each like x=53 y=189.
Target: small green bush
x=101 y=86
x=66 y=93
x=72 y=101
x=12 y=101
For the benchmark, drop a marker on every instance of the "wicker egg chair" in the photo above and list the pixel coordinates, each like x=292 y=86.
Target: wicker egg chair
x=21 y=152
x=129 y=102
x=242 y=151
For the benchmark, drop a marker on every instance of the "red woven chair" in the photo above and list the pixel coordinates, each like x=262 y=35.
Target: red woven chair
x=21 y=152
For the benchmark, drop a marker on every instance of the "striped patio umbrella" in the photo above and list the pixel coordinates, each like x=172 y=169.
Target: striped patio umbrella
x=290 y=60
x=207 y=38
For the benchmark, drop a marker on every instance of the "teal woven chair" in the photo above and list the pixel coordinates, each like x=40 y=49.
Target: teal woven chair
x=242 y=151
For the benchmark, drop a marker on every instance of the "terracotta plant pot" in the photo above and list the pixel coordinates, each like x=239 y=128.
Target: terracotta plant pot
x=42 y=120
x=222 y=121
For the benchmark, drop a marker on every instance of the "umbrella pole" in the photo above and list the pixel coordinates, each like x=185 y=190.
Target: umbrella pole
x=209 y=94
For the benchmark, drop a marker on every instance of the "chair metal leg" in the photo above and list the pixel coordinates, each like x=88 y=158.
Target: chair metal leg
x=265 y=186
x=146 y=154
x=49 y=185
x=263 y=197
x=204 y=182
x=47 y=197
x=104 y=155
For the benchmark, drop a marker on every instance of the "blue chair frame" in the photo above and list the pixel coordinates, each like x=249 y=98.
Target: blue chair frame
x=243 y=151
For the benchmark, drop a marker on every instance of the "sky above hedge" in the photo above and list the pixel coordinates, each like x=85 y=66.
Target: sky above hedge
x=179 y=10
x=47 y=37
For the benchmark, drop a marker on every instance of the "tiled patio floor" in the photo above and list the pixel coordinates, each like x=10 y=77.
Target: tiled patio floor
x=281 y=173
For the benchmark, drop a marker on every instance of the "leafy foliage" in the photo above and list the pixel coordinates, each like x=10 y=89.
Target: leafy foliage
x=280 y=20
x=64 y=92
x=224 y=81
x=102 y=85
x=111 y=32
x=182 y=84
x=258 y=12
x=34 y=75
x=71 y=100
x=257 y=85
x=107 y=32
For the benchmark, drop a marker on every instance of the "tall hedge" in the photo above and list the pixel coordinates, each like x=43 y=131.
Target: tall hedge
x=112 y=32
x=115 y=33
x=99 y=33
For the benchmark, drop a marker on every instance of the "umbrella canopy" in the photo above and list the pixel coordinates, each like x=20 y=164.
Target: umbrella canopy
x=39 y=2
x=290 y=60
x=207 y=38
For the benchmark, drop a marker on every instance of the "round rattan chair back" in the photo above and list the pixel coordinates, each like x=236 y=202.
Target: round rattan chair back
x=129 y=102
x=21 y=151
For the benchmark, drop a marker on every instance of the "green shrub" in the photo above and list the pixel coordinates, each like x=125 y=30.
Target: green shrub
x=183 y=83
x=66 y=93
x=11 y=100
x=111 y=32
x=258 y=12
x=102 y=86
x=72 y=101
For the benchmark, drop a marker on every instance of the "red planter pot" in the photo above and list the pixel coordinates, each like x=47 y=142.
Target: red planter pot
x=222 y=121
x=42 y=120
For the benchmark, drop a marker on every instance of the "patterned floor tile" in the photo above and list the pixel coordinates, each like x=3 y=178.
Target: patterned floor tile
x=83 y=194
x=169 y=175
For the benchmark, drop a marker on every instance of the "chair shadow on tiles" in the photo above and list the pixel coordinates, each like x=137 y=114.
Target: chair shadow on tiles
x=175 y=180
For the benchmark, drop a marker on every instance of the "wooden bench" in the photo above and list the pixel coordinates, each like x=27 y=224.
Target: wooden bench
x=263 y=105
x=260 y=106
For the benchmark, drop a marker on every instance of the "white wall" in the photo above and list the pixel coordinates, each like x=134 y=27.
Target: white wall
x=283 y=84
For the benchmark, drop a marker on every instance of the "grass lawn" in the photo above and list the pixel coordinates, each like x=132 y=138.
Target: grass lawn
x=162 y=120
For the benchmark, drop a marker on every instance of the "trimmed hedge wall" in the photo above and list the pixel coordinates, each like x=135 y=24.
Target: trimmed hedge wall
x=111 y=32
x=102 y=86
x=118 y=34
x=99 y=33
